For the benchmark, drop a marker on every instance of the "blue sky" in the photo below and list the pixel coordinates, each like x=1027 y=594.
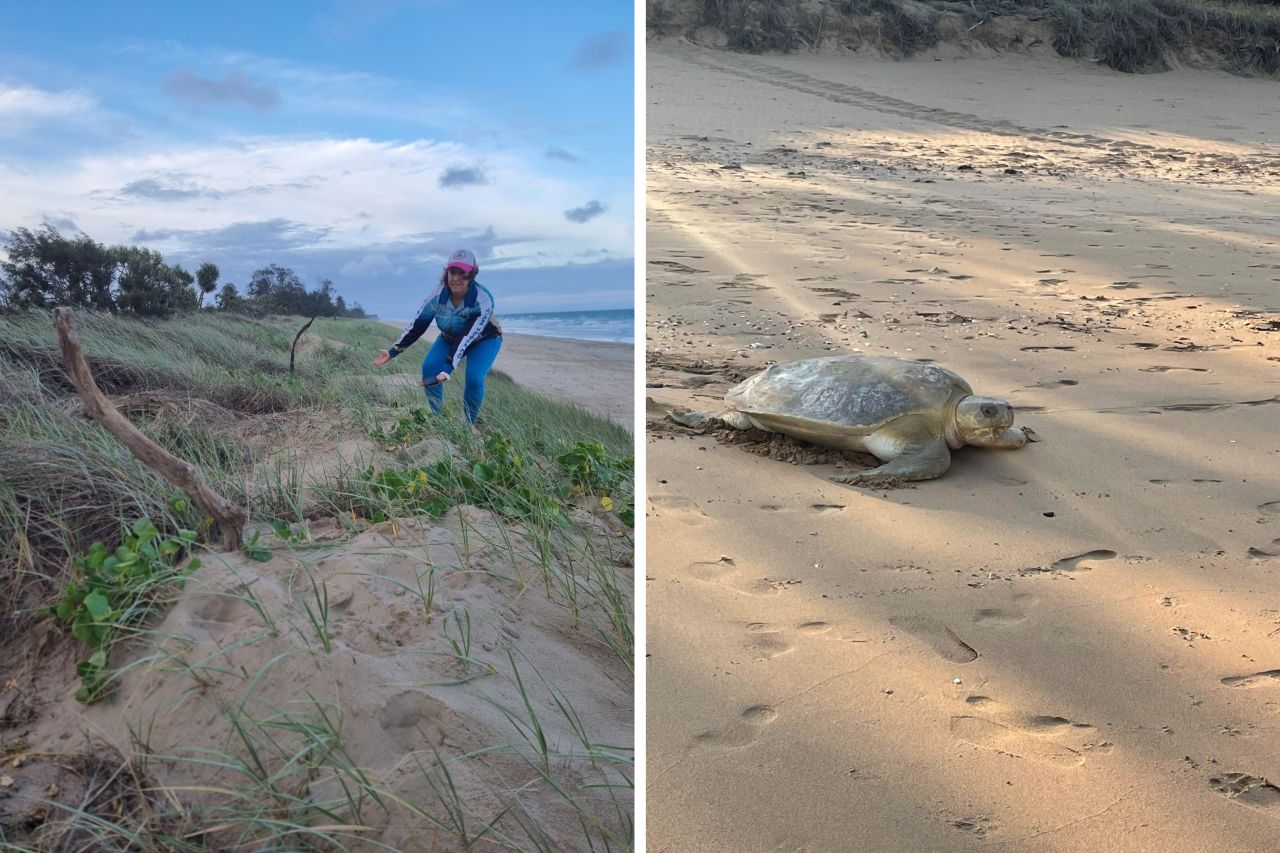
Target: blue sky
x=358 y=140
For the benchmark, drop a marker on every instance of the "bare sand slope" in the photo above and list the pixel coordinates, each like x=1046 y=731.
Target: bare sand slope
x=1074 y=646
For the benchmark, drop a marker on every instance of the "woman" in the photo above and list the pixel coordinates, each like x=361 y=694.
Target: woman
x=463 y=311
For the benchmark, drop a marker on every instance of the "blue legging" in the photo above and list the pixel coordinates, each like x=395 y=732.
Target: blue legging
x=479 y=358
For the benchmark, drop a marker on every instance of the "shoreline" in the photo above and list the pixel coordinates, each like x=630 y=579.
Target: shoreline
x=596 y=375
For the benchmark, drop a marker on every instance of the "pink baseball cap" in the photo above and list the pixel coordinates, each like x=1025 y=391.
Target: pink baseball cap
x=463 y=259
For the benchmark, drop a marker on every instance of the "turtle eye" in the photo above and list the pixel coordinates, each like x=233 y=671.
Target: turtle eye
x=988 y=410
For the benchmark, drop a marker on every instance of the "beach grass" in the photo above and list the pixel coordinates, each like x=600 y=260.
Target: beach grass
x=216 y=390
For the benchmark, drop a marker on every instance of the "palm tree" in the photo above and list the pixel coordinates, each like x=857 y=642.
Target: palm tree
x=207 y=278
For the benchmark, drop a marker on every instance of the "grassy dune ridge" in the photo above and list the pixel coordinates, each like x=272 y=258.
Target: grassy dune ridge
x=1128 y=35
x=337 y=465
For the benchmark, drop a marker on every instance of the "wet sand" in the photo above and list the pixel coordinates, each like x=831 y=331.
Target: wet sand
x=1072 y=646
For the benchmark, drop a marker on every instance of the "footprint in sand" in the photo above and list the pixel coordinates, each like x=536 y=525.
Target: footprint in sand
x=1253 y=679
x=1194 y=407
x=766 y=641
x=1269 y=508
x=1252 y=791
x=727 y=572
x=823 y=629
x=412 y=717
x=980 y=826
x=740 y=736
x=1266 y=552
x=1081 y=562
x=682 y=509
x=1035 y=738
x=936 y=636
x=220 y=613
x=999 y=617
x=820 y=509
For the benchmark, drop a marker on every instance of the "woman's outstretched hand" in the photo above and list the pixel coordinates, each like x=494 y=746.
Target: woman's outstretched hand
x=382 y=359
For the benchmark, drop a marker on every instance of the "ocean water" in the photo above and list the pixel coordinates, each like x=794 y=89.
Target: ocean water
x=614 y=326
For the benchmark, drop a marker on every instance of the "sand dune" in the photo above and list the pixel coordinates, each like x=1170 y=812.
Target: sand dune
x=442 y=679
x=1066 y=647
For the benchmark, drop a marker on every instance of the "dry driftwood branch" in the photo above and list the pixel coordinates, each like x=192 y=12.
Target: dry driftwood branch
x=230 y=517
x=295 y=342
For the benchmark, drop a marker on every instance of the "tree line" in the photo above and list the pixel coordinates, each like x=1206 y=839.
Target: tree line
x=44 y=269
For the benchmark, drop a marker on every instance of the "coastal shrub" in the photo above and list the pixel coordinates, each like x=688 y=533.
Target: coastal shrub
x=590 y=468
x=496 y=478
x=593 y=471
x=907 y=29
x=660 y=16
x=408 y=429
x=755 y=26
x=116 y=591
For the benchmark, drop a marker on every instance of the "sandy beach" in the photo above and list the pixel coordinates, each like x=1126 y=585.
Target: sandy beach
x=1073 y=646
x=595 y=375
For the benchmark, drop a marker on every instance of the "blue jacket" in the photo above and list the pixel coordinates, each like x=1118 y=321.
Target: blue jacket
x=473 y=321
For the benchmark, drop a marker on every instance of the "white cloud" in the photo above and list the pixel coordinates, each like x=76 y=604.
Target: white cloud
x=21 y=106
x=318 y=186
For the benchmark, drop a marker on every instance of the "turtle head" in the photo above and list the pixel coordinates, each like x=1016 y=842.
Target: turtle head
x=982 y=421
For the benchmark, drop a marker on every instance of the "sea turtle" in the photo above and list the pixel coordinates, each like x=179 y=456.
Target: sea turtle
x=908 y=414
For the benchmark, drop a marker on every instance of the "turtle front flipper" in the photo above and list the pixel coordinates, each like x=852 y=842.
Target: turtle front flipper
x=704 y=422
x=925 y=458
x=693 y=420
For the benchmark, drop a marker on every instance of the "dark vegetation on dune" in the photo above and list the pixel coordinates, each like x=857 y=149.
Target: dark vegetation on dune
x=1127 y=35
x=45 y=269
